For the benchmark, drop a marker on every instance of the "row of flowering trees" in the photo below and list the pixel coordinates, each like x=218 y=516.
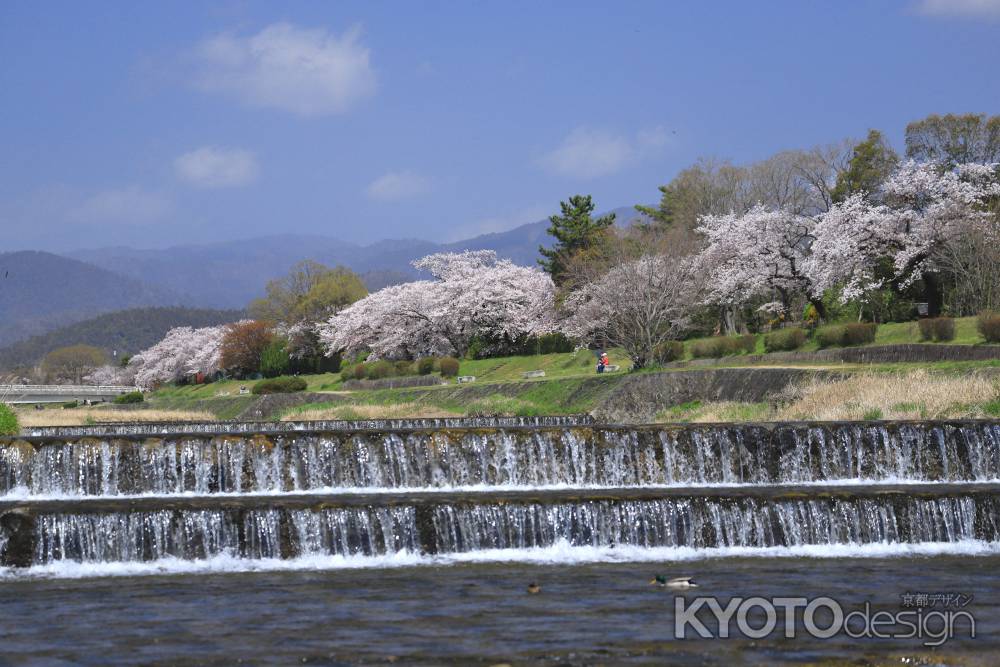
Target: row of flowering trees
x=470 y=295
x=915 y=225
x=908 y=230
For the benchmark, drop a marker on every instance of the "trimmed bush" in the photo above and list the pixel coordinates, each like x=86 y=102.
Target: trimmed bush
x=552 y=343
x=784 y=340
x=721 y=346
x=860 y=333
x=425 y=365
x=940 y=329
x=988 y=325
x=747 y=343
x=359 y=371
x=403 y=367
x=279 y=385
x=129 y=398
x=380 y=369
x=668 y=351
x=829 y=336
x=853 y=333
x=706 y=349
x=449 y=367
x=926 y=326
x=8 y=420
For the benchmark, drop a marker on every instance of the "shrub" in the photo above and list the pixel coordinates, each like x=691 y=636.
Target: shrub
x=853 y=333
x=8 y=420
x=449 y=367
x=859 y=333
x=829 y=336
x=705 y=349
x=747 y=343
x=279 y=385
x=988 y=325
x=129 y=398
x=69 y=405
x=668 y=351
x=721 y=346
x=403 y=367
x=784 y=339
x=940 y=329
x=377 y=370
x=926 y=327
x=551 y=343
x=425 y=365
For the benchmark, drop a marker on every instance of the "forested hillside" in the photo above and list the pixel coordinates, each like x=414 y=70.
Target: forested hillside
x=125 y=331
x=40 y=291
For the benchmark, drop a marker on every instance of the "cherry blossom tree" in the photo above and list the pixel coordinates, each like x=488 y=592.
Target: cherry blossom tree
x=472 y=293
x=111 y=375
x=637 y=305
x=182 y=353
x=761 y=252
x=927 y=210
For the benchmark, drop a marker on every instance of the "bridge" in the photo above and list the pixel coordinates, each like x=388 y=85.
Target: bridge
x=60 y=393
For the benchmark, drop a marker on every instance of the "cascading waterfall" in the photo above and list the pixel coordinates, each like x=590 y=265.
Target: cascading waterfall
x=440 y=491
x=580 y=456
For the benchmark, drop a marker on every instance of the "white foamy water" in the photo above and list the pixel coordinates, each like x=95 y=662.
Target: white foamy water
x=561 y=553
x=22 y=493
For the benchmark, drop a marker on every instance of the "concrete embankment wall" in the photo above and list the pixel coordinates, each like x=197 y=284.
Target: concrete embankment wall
x=640 y=397
x=874 y=354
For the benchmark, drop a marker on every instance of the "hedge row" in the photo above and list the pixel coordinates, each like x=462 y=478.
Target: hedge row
x=940 y=329
x=722 y=346
x=846 y=335
x=279 y=385
x=382 y=369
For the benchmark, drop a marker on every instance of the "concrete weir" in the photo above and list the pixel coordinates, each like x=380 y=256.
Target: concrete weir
x=444 y=487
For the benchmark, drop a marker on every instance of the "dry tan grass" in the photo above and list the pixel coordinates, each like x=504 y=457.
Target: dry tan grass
x=351 y=412
x=915 y=395
x=84 y=416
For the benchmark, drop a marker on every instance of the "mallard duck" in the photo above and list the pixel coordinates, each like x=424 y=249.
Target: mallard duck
x=677 y=583
x=534 y=588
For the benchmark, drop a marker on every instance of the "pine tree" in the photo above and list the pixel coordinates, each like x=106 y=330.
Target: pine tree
x=575 y=230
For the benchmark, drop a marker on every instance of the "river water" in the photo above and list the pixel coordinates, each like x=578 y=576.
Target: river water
x=415 y=543
x=476 y=613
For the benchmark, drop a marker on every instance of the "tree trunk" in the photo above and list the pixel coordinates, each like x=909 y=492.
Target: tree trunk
x=727 y=321
x=934 y=293
x=819 y=306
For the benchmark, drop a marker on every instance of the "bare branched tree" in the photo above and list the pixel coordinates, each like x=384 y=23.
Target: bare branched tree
x=642 y=301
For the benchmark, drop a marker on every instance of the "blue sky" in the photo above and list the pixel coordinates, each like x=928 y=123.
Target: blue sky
x=153 y=124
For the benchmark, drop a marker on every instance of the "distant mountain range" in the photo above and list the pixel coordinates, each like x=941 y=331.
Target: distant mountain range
x=231 y=273
x=124 y=332
x=40 y=291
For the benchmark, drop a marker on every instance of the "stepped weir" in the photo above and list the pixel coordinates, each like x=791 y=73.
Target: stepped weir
x=433 y=488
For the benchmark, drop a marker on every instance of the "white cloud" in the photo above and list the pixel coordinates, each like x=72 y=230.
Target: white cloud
x=309 y=72
x=960 y=8
x=131 y=205
x=216 y=167
x=397 y=185
x=590 y=153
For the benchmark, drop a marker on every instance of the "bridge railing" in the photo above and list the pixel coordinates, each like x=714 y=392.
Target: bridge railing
x=60 y=389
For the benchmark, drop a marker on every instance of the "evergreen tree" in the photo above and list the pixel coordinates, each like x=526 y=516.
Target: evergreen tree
x=575 y=231
x=872 y=161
